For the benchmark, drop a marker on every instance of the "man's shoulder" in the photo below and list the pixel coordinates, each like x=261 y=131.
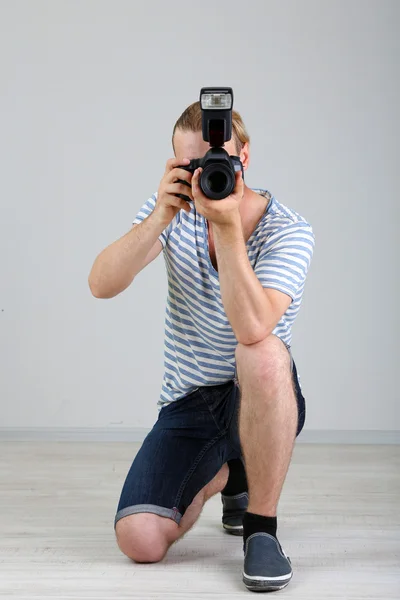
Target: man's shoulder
x=287 y=216
x=281 y=220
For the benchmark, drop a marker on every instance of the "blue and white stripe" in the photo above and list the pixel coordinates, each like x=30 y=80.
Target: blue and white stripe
x=199 y=343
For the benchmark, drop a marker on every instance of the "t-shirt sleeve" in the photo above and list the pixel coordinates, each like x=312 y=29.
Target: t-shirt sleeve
x=147 y=209
x=285 y=258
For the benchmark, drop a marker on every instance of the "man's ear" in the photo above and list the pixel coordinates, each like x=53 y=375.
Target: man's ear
x=245 y=156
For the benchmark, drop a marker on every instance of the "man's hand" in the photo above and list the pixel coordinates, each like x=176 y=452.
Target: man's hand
x=218 y=211
x=168 y=204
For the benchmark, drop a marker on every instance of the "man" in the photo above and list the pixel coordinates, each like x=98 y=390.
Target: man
x=231 y=404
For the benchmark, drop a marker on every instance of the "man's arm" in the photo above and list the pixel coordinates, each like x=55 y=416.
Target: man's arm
x=115 y=267
x=253 y=311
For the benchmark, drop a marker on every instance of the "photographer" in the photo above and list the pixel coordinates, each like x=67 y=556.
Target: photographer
x=231 y=404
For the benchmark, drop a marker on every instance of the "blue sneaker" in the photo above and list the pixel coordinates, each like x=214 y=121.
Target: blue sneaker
x=233 y=511
x=266 y=566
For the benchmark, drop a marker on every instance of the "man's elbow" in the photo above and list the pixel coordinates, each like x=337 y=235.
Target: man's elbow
x=105 y=292
x=258 y=333
x=97 y=290
x=249 y=340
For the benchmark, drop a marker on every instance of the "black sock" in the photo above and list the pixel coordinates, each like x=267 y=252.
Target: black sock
x=256 y=523
x=237 y=481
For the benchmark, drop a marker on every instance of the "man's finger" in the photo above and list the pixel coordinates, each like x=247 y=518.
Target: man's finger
x=195 y=178
x=174 y=162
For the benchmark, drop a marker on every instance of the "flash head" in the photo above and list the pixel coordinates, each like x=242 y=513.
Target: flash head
x=216 y=98
x=216 y=107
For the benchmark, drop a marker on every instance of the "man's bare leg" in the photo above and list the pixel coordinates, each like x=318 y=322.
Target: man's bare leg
x=146 y=537
x=267 y=420
x=193 y=511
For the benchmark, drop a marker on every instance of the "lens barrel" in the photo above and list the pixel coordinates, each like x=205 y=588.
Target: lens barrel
x=217 y=181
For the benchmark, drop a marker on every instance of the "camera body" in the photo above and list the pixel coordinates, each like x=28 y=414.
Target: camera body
x=217 y=180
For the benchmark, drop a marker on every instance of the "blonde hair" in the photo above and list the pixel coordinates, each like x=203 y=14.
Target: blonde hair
x=190 y=120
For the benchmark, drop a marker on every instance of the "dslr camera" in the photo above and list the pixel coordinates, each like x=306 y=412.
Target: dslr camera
x=217 y=180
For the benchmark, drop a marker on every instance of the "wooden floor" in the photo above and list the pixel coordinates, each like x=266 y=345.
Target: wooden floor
x=339 y=521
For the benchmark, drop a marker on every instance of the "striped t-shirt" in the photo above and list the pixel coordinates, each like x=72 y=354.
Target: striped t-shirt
x=199 y=342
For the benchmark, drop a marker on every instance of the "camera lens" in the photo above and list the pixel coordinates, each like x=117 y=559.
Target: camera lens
x=217 y=181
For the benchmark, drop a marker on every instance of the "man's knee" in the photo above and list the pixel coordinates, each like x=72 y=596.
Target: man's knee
x=267 y=360
x=145 y=537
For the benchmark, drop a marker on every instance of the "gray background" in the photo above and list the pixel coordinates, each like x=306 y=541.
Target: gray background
x=90 y=91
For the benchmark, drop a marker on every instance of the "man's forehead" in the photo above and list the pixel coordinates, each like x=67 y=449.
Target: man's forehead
x=190 y=147
x=190 y=139
x=195 y=148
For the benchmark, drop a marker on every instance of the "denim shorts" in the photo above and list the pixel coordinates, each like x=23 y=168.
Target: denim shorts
x=189 y=443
